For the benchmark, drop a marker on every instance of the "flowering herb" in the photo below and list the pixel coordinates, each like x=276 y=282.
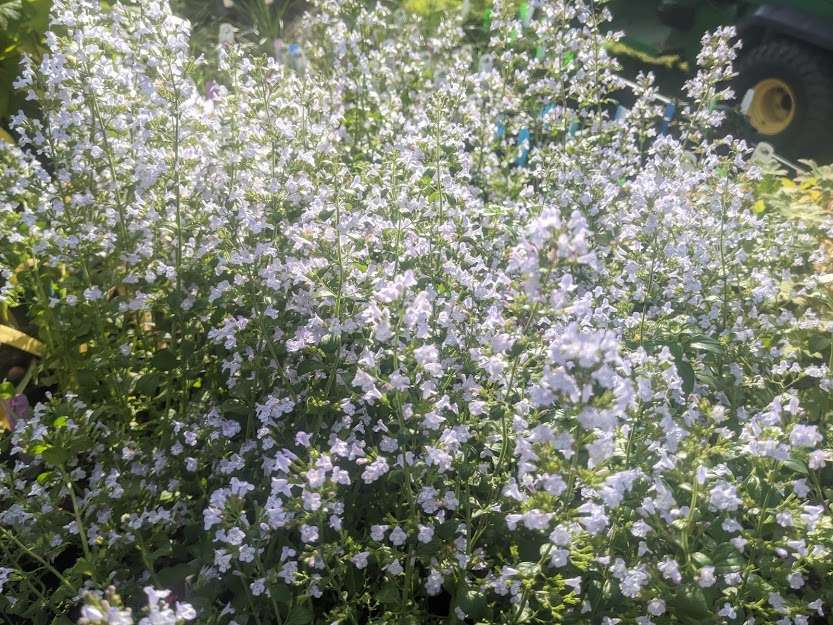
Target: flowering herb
x=322 y=353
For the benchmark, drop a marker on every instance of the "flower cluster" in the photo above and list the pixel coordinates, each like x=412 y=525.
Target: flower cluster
x=420 y=332
x=110 y=611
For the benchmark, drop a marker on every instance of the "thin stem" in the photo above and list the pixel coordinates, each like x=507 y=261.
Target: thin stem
x=35 y=556
x=77 y=514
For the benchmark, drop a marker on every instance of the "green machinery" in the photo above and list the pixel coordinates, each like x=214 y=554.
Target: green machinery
x=784 y=86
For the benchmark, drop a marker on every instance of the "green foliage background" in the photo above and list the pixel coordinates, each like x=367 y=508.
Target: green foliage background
x=22 y=24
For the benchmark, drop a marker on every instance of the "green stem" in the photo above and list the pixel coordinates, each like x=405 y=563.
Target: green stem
x=76 y=510
x=35 y=556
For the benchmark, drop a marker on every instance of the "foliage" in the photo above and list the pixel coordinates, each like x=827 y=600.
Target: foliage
x=807 y=203
x=321 y=352
x=22 y=24
x=257 y=24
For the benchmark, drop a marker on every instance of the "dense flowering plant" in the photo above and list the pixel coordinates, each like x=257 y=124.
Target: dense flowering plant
x=321 y=352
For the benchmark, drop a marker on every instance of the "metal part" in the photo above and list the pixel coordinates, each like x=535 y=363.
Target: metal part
x=772 y=109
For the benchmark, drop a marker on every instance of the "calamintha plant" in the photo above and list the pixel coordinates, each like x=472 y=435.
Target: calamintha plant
x=321 y=351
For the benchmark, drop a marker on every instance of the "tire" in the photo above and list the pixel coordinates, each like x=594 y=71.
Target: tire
x=803 y=77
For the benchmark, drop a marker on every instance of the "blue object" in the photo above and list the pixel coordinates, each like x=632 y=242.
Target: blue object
x=573 y=128
x=500 y=126
x=523 y=143
x=667 y=117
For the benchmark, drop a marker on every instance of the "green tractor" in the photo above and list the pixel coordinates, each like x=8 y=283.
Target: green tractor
x=784 y=87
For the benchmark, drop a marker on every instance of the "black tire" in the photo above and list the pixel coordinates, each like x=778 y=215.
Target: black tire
x=809 y=73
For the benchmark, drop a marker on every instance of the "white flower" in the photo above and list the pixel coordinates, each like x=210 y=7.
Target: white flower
x=724 y=496
x=559 y=558
x=817 y=605
x=93 y=294
x=784 y=518
x=377 y=532
x=185 y=611
x=425 y=534
x=234 y=536
x=656 y=607
x=560 y=536
x=805 y=436
x=670 y=570
x=5 y=573
x=739 y=542
x=434 y=583
x=375 y=470
x=731 y=526
x=632 y=581
x=706 y=578
x=594 y=518
x=801 y=488
x=537 y=520
x=90 y=613
x=309 y=533
x=777 y=602
x=818 y=459
x=360 y=559
x=258 y=587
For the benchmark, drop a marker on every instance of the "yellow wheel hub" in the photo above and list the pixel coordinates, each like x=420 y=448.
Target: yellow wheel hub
x=773 y=106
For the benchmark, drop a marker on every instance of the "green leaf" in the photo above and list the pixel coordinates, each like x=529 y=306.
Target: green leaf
x=165 y=549
x=172 y=575
x=706 y=344
x=44 y=477
x=690 y=607
x=309 y=365
x=148 y=384
x=299 y=616
x=796 y=465
x=39 y=15
x=6 y=390
x=329 y=344
x=389 y=594
x=82 y=567
x=472 y=603
x=164 y=360
x=54 y=455
x=39 y=448
x=529 y=569
x=281 y=593
x=727 y=558
x=686 y=373
x=529 y=546
x=235 y=408
x=447 y=530
x=676 y=350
